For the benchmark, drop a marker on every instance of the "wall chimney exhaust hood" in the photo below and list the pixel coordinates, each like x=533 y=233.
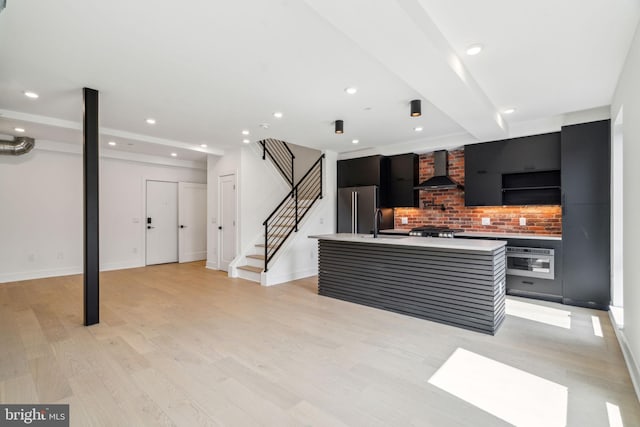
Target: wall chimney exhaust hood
x=440 y=179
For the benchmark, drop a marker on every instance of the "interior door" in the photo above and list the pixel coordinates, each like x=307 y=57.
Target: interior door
x=192 y=218
x=162 y=222
x=227 y=220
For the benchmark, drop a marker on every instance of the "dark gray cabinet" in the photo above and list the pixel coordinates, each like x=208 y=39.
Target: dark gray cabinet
x=362 y=171
x=482 y=179
x=403 y=176
x=492 y=167
x=585 y=163
x=586 y=214
x=532 y=287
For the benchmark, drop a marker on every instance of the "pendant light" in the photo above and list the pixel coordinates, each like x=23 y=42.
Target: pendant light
x=416 y=108
x=339 y=126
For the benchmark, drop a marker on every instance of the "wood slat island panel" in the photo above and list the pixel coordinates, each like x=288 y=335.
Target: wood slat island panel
x=425 y=278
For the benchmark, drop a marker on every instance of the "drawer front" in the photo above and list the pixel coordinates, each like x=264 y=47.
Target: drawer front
x=534 y=285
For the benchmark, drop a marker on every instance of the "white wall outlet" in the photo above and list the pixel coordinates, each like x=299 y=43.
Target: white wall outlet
x=321 y=220
x=60 y=255
x=135 y=250
x=31 y=257
x=486 y=221
x=404 y=220
x=523 y=221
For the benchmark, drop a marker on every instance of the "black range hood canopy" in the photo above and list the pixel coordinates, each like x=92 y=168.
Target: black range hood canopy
x=440 y=179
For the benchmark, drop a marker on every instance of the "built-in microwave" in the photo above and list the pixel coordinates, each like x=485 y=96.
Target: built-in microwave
x=530 y=262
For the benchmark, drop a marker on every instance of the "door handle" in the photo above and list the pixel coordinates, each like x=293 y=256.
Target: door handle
x=183 y=226
x=149 y=227
x=219 y=227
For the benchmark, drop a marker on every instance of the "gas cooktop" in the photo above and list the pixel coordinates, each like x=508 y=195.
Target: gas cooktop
x=434 y=231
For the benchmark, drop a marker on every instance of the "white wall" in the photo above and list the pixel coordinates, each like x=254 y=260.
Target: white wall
x=299 y=257
x=304 y=158
x=627 y=95
x=41 y=212
x=260 y=189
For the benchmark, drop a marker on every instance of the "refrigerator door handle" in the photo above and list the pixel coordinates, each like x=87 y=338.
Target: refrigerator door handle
x=354 y=212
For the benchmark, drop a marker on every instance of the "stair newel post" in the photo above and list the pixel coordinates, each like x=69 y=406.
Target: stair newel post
x=296 y=208
x=292 y=164
x=264 y=150
x=266 y=245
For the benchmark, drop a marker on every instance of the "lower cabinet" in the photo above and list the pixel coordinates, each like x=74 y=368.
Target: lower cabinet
x=535 y=287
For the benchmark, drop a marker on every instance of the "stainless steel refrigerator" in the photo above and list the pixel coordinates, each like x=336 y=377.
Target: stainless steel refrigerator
x=356 y=210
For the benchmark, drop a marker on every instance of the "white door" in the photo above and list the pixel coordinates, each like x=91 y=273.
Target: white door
x=162 y=222
x=227 y=220
x=192 y=218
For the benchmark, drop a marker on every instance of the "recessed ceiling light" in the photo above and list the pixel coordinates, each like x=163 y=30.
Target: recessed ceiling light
x=474 y=49
x=509 y=111
x=174 y=154
x=112 y=143
x=203 y=145
x=351 y=90
x=418 y=128
x=355 y=141
x=19 y=130
x=151 y=121
x=277 y=115
x=264 y=125
x=245 y=132
x=246 y=141
x=31 y=95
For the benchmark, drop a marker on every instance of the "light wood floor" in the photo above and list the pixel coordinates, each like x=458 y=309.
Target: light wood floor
x=182 y=345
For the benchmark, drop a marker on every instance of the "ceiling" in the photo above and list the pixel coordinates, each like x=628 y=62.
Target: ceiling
x=207 y=70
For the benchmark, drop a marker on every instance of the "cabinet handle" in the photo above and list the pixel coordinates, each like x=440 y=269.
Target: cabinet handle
x=480 y=172
x=526 y=282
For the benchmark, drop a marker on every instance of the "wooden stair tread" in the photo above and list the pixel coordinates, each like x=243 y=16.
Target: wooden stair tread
x=261 y=245
x=251 y=268
x=256 y=257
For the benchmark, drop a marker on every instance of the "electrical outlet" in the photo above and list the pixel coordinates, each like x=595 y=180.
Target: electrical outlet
x=135 y=250
x=321 y=220
x=31 y=257
x=60 y=255
x=486 y=221
x=404 y=220
x=523 y=221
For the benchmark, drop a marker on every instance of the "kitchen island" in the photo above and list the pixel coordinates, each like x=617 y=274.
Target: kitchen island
x=459 y=282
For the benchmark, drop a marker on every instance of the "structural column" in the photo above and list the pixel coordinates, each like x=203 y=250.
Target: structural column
x=91 y=223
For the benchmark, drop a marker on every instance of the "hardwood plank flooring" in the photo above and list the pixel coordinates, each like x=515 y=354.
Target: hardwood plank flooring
x=180 y=345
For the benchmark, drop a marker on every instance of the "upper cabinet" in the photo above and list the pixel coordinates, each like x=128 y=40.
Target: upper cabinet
x=403 y=176
x=371 y=170
x=518 y=171
x=395 y=176
x=361 y=171
x=585 y=162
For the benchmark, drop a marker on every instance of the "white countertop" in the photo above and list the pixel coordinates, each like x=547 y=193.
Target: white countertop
x=425 y=242
x=509 y=235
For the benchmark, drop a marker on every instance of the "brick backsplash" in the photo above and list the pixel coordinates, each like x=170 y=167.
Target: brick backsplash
x=505 y=219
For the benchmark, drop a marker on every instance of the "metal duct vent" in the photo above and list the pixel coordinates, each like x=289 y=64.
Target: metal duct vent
x=19 y=145
x=3 y=3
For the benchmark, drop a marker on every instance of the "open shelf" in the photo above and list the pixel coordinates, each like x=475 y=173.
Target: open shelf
x=531 y=188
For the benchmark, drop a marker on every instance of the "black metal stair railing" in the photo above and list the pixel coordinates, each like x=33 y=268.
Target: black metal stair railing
x=281 y=156
x=286 y=217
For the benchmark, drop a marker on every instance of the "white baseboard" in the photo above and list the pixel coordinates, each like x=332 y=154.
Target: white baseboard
x=39 y=274
x=211 y=265
x=632 y=365
x=270 y=279
x=120 y=265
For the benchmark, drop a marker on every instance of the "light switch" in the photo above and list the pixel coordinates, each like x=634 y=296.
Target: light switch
x=523 y=221
x=404 y=220
x=486 y=221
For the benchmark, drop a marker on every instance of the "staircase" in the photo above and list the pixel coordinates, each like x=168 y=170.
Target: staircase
x=287 y=216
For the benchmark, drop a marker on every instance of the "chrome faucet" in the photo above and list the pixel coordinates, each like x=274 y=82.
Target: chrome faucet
x=377 y=214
